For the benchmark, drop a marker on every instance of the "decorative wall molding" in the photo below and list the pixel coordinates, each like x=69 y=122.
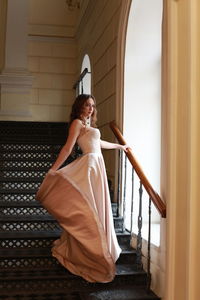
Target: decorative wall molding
x=73 y=4
x=51 y=30
x=16 y=81
x=50 y=39
x=21 y=114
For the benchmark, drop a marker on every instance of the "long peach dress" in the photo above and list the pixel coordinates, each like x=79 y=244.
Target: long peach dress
x=77 y=195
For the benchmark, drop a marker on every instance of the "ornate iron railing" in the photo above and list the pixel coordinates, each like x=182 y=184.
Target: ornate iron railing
x=127 y=207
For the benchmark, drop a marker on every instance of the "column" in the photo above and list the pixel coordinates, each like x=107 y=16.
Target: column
x=15 y=79
x=181 y=147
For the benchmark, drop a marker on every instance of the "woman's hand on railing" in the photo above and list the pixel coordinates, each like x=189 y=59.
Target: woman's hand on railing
x=125 y=148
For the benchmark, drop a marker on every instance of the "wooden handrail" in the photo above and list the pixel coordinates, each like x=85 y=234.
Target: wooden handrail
x=159 y=204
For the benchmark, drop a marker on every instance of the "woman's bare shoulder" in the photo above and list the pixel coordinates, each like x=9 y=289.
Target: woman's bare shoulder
x=76 y=123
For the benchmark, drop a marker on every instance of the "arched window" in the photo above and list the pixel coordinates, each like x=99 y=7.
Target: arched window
x=85 y=82
x=142 y=89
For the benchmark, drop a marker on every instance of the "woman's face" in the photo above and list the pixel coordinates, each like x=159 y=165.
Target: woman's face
x=88 y=108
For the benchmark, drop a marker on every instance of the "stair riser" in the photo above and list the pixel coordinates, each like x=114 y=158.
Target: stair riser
x=118 y=223
x=39 y=225
x=45 y=263
x=124 y=239
x=34 y=209
x=34 y=243
x=27 y=156
x=22 y=147
x=43 y=296
x=35 y=175
x=23 y=211
x=129 y=259
x=29 y=226
x=26 y=243
x=29 y=165
x=19 y=186
x=29 y=264
x=18 y=197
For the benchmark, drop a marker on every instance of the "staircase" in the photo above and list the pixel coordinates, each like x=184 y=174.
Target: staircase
x=27 y=269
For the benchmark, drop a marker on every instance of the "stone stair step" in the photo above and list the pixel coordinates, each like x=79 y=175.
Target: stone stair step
x=34 y=203
x=19 y=180
x=22 y=204
x=63 y=280
x=28 y=235
x=40 y=272
x=25 y=165
x=37 y=239
x=19 y=168
x=115 y=209
x=24 y=160
x=17 y=197
x=36 y=218
x=17 y=191
x=27 y=155
x=123 y=293
x=25 y=208
x=44 y=296
x=18 y=185
x=128 y=256
x=28 y=147
x=38 y=222
x=22 y=174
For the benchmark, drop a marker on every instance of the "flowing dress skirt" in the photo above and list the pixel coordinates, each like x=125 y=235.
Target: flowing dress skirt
x=78 y=197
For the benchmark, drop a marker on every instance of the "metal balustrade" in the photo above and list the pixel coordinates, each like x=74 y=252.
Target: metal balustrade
x=127 y=203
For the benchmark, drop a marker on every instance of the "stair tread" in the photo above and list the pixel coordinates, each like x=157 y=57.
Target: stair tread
x=40 y=234
x=19 y=218
x=20 y=151
x=35 y=217
x=38 y=295
x=41 y=252
x=122 y=293
x=30 y=273
x=30 y=235
x=17 y=179
x=27 y=159
x=22 y=168
x=34 y=203
x=17 y=191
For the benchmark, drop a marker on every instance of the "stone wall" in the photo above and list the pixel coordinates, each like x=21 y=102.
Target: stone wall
x=97 y=35
x=52 y=59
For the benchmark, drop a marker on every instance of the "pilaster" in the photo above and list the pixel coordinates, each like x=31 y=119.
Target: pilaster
x=181 y=146
x=15 y=79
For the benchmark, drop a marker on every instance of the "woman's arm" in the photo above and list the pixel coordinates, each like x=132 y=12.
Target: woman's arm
x=108 y=145
x=74 y=132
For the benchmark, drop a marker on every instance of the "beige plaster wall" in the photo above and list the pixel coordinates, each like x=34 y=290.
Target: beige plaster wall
x=52 y=59
x=52 y=62
x=3 y=7
x=96 y=34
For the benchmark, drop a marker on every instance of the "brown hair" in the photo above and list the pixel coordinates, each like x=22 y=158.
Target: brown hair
x=77 y=109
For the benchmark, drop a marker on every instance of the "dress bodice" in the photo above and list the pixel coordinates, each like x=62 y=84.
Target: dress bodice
x=89 y=140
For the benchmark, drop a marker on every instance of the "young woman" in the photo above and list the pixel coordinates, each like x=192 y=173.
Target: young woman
x=77 y=196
